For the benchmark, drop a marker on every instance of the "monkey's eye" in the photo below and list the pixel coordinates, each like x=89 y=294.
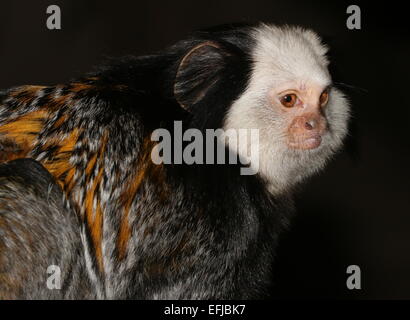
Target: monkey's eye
x=288 y=100
x=324 y=98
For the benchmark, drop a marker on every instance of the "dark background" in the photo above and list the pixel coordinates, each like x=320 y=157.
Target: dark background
x=357 y=210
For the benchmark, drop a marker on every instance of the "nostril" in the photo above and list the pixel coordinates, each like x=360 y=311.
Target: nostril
x=309 y=125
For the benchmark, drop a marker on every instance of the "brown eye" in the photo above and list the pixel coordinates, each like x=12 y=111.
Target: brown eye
x=288 y=100
x=324 y=97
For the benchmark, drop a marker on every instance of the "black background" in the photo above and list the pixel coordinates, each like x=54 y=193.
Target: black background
x=357 y=210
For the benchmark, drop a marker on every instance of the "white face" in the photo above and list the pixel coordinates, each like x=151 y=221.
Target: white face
x=301 y=118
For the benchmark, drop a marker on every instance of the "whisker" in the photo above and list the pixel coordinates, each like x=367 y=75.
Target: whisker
x=349 y=86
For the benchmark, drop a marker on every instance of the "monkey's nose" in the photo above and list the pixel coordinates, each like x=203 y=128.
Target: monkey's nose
x=310 y=124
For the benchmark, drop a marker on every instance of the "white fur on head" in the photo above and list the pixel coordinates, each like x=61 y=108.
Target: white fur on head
x=283 y=57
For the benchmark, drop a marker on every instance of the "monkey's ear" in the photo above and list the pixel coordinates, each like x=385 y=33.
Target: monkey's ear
x=199 y=70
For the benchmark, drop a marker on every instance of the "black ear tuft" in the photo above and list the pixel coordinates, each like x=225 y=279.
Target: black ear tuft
x=200 y=69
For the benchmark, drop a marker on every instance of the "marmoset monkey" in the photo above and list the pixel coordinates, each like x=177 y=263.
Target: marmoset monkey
x=91 y=201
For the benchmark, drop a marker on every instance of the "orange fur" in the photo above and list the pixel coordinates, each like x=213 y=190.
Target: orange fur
x=145 y=167
x=24 y=130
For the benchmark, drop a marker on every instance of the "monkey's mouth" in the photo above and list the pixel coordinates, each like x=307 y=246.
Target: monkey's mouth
x=306 y=143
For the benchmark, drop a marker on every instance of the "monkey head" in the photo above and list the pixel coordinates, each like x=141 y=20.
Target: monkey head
x=287 y=95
